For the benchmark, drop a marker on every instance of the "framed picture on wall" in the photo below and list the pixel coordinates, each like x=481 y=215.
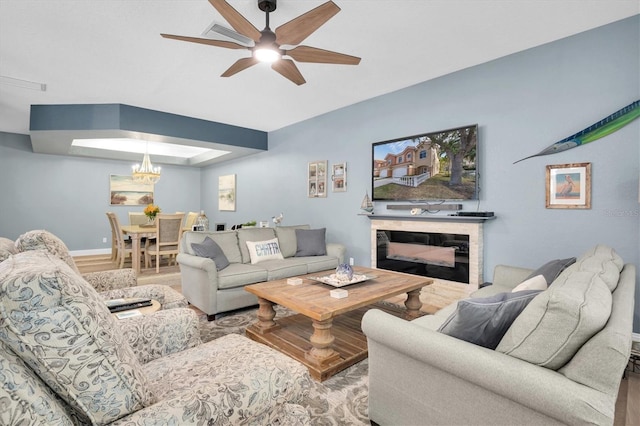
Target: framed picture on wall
x=339 y=177
x=317 y=179
x=227 y=193
x=125 y=192
x=568 y=186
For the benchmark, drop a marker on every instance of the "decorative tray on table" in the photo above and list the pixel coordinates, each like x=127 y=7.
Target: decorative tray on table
x=148 y=225
x=332 y=280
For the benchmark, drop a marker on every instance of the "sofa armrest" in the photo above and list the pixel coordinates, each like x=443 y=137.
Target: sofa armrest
x=456 y=367
x=112 y=279
x=337 y=250
x=151 y=291
x=161 y=333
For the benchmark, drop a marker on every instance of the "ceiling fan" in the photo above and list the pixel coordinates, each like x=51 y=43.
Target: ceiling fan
x=265 y=45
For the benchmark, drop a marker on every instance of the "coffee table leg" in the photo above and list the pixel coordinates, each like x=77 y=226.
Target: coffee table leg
x=413 y=304
x=322 y=353
x=266 y=314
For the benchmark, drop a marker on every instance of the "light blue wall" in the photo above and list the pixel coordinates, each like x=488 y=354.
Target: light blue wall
x=70 y=195
x=522 y=103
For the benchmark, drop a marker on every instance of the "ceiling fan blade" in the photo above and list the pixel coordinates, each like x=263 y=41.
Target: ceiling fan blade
x=214 y=31
x=236 y=20
x=296 y=30
x=240 y=65
x=313 y=54
x=288 y=69
x=217 y=43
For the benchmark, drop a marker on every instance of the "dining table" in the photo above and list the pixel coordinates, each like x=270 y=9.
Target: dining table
x=137 y=233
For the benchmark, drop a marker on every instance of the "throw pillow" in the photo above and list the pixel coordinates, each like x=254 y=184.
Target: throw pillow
x=264 y=250
x=484 y=321
x=287 y=239
x=212 y=250
x=535 y=283
x=311 y=242
x=552 y=269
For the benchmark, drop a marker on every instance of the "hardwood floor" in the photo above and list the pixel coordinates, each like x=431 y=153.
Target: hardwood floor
x=433 y=297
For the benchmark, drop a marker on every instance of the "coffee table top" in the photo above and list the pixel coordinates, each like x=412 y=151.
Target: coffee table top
x=312 y=298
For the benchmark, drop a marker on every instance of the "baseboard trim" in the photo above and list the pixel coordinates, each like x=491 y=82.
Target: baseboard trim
x=93 y=252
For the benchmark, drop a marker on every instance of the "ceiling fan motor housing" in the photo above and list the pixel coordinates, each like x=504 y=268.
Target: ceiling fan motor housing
x=267 y=5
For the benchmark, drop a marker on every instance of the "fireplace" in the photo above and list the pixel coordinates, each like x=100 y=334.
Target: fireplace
x=429 y=254
x=445 y=248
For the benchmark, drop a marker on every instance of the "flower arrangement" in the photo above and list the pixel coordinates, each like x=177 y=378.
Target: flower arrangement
x=151 y=211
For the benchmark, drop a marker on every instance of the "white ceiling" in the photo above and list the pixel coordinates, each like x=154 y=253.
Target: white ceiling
x=110 y=51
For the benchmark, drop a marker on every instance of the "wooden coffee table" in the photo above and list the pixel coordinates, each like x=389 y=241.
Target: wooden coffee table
x=326 y=335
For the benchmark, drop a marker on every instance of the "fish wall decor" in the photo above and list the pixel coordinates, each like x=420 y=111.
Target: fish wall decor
x=602 y=128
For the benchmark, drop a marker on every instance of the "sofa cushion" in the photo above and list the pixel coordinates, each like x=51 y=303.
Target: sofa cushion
x=483 y=321
x=605 y=262
x=59 y=326
x=556 y=324
x=287 y=239
x=252 y=234
x=240 y=274
x=284 y=268
x=318 y=263
x=311 y=242
x=259 y=251
x=45 y=240
x=537 y=282
x=24 y=398
x=7 y=248
x=552 y=269
x=210 y=249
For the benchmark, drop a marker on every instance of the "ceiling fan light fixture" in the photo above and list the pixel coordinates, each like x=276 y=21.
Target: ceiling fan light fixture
x=265 y=54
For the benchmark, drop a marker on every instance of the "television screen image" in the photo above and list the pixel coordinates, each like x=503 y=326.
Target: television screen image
x=435 y=166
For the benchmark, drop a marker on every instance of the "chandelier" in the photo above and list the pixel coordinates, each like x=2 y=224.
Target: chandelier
x=146 y=173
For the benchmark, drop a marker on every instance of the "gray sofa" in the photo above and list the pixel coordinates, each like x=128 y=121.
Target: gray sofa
x=560 y=361
x=215 y=291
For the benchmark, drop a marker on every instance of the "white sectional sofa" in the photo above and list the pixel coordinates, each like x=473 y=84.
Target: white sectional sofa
x=214 y=290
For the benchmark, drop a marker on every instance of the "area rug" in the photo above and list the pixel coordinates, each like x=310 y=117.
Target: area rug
x=339 y=400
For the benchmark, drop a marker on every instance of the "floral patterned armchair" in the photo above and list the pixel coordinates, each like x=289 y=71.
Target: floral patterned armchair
x=113 y=284
x=65 y=360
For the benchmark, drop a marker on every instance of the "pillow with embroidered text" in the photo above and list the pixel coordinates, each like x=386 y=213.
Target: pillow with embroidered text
x=264 y=250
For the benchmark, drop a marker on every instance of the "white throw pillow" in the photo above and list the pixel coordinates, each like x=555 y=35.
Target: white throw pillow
x=264 y=250
x=534 y=283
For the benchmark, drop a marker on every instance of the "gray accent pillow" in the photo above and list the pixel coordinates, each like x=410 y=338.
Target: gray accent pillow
x=552 y=269
x=484 y=321
x=212 y=250
x=311 y=242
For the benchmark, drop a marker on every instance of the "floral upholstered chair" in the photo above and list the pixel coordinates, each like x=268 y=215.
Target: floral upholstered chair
x=113 y=284
x=65 y=360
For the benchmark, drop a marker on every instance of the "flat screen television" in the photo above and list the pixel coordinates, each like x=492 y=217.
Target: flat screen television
x=434 y=166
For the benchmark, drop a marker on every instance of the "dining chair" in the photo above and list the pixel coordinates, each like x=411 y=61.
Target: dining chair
x=168 y=233
x=190 y=220
x=123 y=247
x=137 y=218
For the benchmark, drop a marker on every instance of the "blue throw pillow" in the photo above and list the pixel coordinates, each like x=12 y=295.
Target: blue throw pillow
x=484 y=321
x=552 y=269
x=311 y=242
x=211 y=249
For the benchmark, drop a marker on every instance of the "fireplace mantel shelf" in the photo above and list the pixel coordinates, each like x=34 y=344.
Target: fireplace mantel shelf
x=471 y=219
